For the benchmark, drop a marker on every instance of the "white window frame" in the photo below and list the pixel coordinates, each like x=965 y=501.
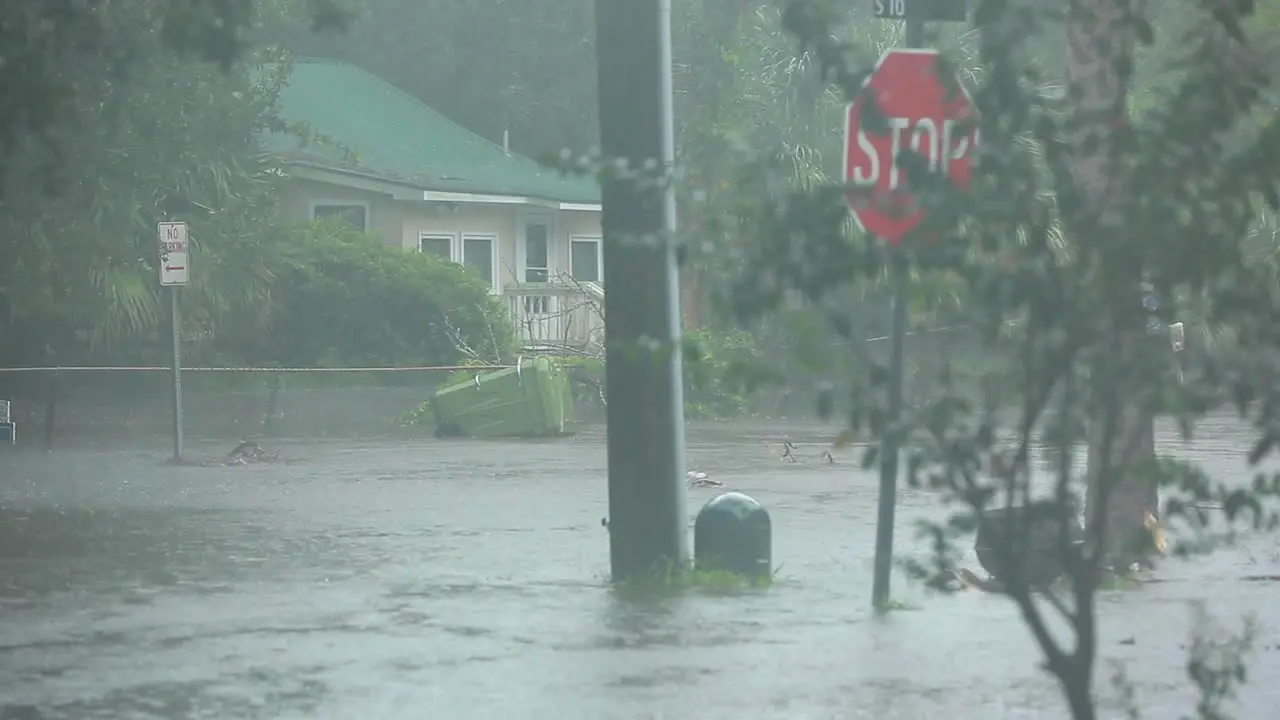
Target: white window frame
x=455 y=248
x=495 y=254
x=314 y=203
x=536 y=218
x=599 y=241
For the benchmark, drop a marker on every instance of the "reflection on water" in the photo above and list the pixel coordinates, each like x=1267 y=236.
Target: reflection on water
x=466 y=579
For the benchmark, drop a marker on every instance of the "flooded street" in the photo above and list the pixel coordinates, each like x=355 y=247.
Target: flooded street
x=413 y=579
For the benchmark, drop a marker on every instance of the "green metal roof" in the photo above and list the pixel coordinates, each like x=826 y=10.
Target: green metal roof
x=396 y=138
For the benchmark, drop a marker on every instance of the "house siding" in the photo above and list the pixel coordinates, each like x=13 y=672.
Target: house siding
x=441 y=219
x=402 y=222
x=385 y=216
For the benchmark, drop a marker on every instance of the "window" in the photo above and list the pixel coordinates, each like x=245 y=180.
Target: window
x=436 y=244
x=536 y=269
x=478 y=254
x=353 y=214
x=584 y=259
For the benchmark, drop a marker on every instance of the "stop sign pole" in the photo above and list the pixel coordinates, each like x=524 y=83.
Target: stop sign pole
x=884 y=210
x=888 y=499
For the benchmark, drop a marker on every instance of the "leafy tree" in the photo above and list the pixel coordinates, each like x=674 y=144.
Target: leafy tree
x=173 y=138
x=56 y=51
x=1080 y=206
x=112 y=117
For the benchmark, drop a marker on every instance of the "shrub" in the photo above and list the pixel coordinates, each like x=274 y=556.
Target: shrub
x=343 y=298
x=722 y=371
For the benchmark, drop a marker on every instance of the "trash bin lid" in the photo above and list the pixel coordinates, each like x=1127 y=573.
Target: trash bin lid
x=734 y=503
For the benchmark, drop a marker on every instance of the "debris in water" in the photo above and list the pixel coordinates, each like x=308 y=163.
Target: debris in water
x=969 y=579
x=246 y=453
x=701 y=479
x=788 y=452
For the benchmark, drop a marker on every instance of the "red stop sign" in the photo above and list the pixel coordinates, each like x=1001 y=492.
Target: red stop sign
x=919 y=116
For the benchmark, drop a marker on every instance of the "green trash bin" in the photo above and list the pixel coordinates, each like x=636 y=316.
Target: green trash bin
x=531 y=399
x=733 y=533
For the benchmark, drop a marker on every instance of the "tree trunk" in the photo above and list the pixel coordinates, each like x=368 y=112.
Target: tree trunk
x=1100 y=44
x=1120 y=490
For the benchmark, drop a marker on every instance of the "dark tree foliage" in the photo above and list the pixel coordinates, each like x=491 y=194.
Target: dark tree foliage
x=163 y=136
x=1078 y=209
x=49 y=44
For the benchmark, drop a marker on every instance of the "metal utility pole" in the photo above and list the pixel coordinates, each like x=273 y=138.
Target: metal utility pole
x=647 y=515
x=897 y=369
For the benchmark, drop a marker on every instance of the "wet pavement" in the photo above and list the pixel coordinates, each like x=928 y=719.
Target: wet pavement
x=424 y=579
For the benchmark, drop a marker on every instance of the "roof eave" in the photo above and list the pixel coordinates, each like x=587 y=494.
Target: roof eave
x=498 y=199
x=405 y=189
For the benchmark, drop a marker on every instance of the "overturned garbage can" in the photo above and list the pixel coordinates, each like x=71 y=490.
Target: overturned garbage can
x=532 y=399
x=1034 y=533
x=733 y=533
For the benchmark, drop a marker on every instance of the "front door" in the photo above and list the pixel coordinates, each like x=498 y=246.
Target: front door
x=539 y=314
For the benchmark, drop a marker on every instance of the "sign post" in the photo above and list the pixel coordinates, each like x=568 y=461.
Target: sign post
x=920 y=114
x=175 y=268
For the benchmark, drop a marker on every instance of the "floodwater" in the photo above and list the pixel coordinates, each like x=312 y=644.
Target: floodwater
x=465 y=579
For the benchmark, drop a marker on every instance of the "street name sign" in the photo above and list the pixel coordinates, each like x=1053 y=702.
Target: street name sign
x=922 y=10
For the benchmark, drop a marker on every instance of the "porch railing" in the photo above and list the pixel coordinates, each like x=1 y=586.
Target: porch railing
x=557 y=315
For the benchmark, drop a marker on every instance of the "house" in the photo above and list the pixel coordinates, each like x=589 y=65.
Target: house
x=393 y=166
